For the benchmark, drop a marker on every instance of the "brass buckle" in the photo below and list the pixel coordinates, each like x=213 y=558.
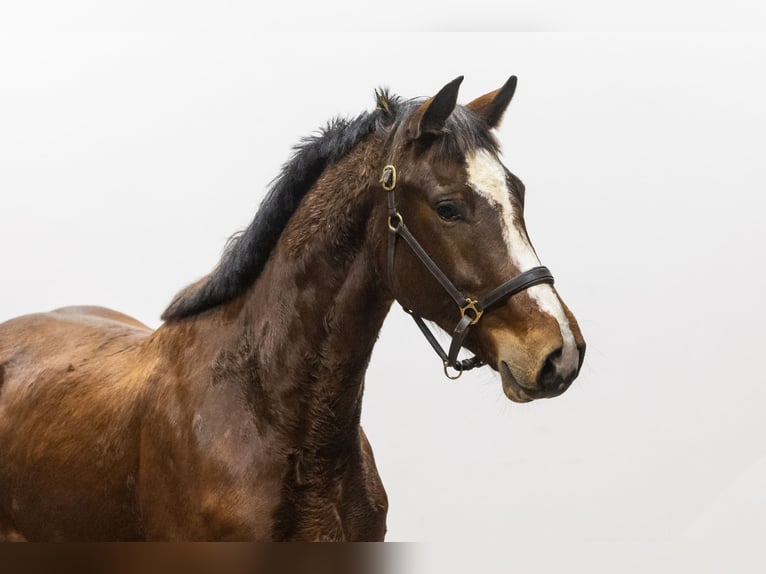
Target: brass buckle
x=446 y=372
x=470 y=306
x=388 y=179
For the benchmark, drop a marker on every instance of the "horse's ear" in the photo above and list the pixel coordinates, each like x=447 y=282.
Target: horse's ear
x=431 y=116
x=491 y=107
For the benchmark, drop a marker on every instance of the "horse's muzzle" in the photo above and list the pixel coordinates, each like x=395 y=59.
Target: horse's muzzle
x=549 y=380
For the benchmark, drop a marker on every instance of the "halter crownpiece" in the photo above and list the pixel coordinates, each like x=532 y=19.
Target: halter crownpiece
x=471 y=309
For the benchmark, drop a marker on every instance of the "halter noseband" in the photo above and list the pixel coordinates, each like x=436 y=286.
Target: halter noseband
x=471 y=310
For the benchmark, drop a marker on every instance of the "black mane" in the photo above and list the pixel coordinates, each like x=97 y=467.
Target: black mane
x=246 y=252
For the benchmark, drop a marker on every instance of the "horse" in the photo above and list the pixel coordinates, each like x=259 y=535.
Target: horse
x=239 y=417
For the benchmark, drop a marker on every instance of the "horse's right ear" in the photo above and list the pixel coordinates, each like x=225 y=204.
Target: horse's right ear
x=431 y=116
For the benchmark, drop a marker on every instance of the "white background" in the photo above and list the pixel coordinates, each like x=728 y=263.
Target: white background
x=133 y=142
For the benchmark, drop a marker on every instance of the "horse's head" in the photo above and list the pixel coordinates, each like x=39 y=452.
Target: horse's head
x=449 y=191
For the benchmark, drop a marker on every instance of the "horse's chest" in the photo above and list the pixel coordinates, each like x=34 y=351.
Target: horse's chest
x=350 y=507
x=212 y=473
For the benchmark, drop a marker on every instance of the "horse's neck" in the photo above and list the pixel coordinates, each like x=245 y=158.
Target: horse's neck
x=313 y=330
x=300 y=338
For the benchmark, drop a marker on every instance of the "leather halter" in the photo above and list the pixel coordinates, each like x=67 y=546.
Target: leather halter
x=471 y=310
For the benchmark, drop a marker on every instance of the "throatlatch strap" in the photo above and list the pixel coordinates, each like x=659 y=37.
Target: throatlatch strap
x=428 y=334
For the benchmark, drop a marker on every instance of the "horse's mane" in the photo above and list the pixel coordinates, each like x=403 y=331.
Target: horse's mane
x=247 y=251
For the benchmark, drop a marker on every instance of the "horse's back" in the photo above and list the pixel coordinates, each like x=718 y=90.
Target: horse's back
x=86 y=313
x=70 y=381
x=69 y=333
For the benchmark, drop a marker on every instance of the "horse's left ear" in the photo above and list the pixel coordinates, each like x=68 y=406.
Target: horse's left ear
x=491 y=107
x=431 y=116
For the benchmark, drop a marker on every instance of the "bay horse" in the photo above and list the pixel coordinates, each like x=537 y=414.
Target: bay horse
x=239 y=417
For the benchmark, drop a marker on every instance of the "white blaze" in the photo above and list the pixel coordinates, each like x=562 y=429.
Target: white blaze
x=486 y=176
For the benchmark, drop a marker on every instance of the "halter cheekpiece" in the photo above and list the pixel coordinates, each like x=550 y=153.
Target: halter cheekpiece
x=471 y=309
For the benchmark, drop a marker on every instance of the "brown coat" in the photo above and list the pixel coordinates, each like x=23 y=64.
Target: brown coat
x=238 y=419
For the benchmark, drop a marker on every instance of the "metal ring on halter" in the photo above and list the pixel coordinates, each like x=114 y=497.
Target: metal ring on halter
x=446 y=372
x=395 y=217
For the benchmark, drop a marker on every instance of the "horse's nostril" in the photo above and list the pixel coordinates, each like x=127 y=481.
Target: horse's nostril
x=549 y=378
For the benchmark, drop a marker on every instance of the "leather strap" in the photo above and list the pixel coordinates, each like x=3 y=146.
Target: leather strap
x=404 y=232
x=527 y=279
x=464 y=365
x=428 y=334
x=458 y=336
x=523 y=281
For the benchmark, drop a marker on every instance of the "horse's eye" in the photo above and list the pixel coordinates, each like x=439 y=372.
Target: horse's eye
x=448 y=211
